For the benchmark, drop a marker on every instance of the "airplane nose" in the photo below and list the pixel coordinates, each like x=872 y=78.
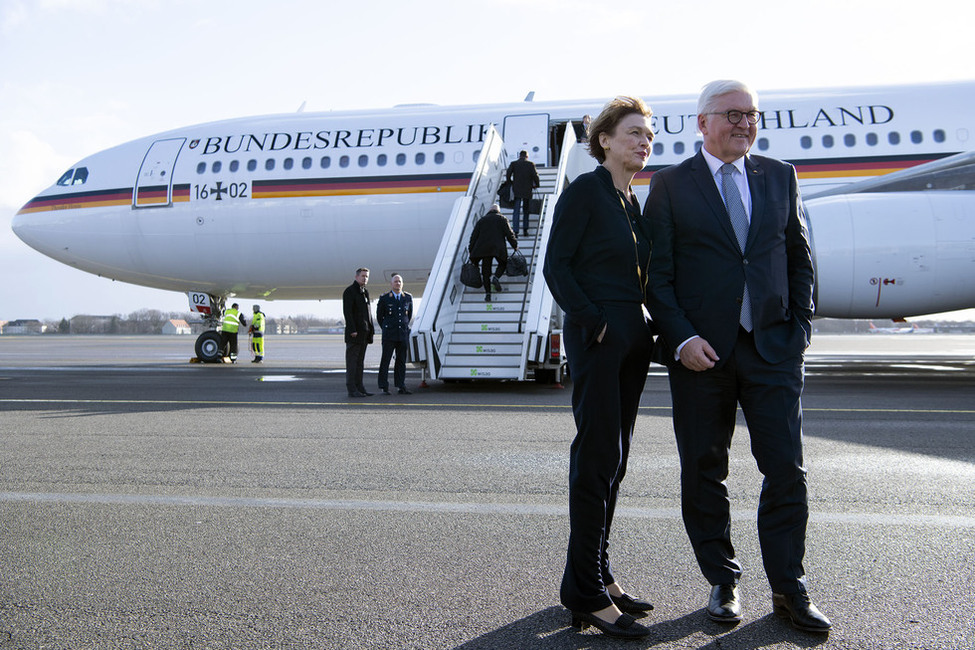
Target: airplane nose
x=24 y=226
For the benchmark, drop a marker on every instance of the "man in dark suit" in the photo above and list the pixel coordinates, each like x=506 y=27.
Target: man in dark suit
x=488 y=244
x=730 y=291
x=524 y=179
x=359 y=332
x=394 y=311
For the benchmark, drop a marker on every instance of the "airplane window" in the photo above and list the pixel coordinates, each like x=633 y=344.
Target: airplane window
x=269 y=164
x=916 y=137
x=805 y=142
x=381 y=160
x=251 y=165
x=217 y=166
x=80 y=176
x=872 y=139
x=657 y=148
x=894 y=137
x=763 y=144
x=234 y=165
x=288 y=163
x=420 y=158
x=344 y=161
x=326 y=162
x=678 y=147
x=306 y=163
x=850 y=140
x=827 y=141
x=698 y=145
x=363 y=160
x=438 y=157
x=66 y=177
x=401 y=159
x=200 y=168
x=939 y=135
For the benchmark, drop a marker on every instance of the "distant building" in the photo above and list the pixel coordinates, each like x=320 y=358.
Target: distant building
x=24 y=326
x=176 y=326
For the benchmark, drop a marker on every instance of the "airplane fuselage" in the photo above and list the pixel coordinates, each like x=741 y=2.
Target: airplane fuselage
x=288 y=206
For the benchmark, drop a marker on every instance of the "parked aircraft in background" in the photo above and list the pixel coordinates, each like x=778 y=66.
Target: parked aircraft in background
x=911 y=328
x=288 y=206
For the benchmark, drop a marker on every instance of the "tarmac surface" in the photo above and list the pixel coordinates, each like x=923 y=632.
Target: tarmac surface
x=147 y=502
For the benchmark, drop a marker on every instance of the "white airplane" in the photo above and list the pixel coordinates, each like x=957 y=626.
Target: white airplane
x=911 y=328
x=288 y=206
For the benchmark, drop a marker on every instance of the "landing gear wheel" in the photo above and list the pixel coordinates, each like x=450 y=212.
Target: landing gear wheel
x=208 y=348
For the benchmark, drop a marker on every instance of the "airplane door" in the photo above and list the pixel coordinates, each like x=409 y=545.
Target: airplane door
x=154 y=186
x=527 y=133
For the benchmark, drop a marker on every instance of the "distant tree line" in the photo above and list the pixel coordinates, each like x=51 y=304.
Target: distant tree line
x=151 y=321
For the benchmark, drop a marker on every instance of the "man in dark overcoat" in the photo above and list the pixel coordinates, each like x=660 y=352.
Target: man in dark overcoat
x=359 y=332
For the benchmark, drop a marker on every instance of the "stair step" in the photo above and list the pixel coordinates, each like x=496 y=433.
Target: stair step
x=482 y=348
x=487 y=360
x=479 y=372
x=505 y=328
x=494 y=338
x=489 y=317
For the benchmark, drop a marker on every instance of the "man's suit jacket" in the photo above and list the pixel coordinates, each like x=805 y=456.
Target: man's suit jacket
x=394 y=315
x=523 y=177
x=697 y=272
x=358 y=319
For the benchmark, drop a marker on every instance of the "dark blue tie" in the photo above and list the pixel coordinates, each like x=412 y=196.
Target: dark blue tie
x=739 y=221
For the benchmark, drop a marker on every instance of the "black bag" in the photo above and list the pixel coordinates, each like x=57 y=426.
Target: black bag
x=506 y=195
x=517 y=265
x=535 y=206
x=470 y=275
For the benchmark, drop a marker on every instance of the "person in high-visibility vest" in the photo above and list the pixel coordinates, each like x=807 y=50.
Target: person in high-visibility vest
x=232 y=320
x=257 y=334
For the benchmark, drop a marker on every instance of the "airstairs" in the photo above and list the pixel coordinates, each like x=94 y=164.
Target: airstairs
x=517 y=335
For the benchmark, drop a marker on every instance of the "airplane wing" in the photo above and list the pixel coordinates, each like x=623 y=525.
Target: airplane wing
x=955 y=172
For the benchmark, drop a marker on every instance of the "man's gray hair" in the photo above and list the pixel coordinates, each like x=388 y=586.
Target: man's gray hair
x=718 y=88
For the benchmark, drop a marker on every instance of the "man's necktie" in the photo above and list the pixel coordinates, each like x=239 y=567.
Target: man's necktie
x=739 y=221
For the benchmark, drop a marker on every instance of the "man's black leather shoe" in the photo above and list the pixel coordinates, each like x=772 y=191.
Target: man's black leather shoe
x=403 y=391
x=356 y=393
x=723 y=604
x=801 y=612
x=384 y=391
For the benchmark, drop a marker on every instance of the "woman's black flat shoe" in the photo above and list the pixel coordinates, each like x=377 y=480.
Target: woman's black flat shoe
x=625 y=626
x=631 y=605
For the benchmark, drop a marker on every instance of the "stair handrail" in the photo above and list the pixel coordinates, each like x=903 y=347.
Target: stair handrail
x=541 y=303
x=444 y=284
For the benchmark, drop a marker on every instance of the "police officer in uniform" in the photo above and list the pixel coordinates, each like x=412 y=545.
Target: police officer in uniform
x=258 y=324
x=394 y=311
x=232 y=320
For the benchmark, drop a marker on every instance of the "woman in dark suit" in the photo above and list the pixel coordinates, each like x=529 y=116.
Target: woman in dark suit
x=596 y=266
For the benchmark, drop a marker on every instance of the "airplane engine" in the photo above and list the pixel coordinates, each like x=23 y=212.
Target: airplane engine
x=892 y=255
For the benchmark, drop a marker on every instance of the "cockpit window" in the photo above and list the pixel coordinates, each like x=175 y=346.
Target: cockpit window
x=74 y=177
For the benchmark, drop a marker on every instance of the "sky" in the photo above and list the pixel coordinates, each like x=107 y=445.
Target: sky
x=79 y=76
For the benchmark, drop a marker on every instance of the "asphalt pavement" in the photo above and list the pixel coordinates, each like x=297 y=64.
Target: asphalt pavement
x=147 y=502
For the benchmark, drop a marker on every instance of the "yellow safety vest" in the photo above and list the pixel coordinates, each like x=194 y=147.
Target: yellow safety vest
x=231 y=320
x=258 y=323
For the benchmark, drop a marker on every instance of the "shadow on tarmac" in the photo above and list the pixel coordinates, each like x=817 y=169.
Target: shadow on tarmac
x=549 y=630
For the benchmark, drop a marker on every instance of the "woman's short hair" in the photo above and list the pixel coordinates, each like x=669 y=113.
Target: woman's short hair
x=611 y=115
x=715 y=89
